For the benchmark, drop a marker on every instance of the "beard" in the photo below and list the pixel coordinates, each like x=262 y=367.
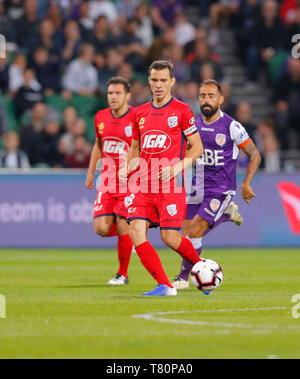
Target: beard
x=208 y=111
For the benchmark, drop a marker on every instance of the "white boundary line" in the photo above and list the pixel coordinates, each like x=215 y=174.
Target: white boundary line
x=156 y=316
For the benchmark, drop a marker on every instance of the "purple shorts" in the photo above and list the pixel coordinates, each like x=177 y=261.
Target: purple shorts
x=211 y=209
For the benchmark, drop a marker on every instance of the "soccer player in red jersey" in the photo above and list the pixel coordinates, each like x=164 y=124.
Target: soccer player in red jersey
x=113 y=127
x=161 y=131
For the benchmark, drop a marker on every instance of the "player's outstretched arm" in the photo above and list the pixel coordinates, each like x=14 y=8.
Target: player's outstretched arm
x=194 y=151
x=251 y=150
x=95 y=156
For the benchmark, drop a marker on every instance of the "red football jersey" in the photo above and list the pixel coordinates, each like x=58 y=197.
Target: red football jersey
x=162 y=134
x=116 y=137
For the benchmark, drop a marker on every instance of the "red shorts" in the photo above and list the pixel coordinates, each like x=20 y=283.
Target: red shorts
x=166 y=211
x=109 y=204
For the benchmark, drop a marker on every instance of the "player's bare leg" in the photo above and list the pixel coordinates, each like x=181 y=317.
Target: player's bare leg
x=182 y=245
x=104 y=226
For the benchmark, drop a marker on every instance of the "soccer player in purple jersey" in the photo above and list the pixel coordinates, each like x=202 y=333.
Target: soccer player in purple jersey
x=214 y=179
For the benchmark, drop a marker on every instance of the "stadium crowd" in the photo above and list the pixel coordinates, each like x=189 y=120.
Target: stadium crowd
x=61 y=53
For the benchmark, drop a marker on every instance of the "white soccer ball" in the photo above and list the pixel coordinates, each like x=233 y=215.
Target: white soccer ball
x=207 y=275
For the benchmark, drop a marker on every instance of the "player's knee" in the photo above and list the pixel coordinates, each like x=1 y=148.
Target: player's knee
x=169 y=241
x=196 y=232
x=101 y=229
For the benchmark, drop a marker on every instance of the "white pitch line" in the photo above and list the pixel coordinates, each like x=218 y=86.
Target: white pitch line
x=155 y=316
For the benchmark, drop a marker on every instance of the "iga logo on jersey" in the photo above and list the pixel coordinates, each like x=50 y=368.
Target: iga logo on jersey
x=172 y=210
x=114 y=147
x=155 y=142
x=220 y=139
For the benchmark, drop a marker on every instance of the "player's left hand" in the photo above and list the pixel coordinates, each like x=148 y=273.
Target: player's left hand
x=89 y=182
x=247 y=193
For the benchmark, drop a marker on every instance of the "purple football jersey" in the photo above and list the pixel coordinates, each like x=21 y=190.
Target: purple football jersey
x=215 y=170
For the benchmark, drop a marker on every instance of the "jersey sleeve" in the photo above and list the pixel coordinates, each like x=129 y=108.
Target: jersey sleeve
x=188 y=122
x=239 y=134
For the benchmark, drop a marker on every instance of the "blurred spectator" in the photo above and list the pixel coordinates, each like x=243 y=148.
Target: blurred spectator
x=267 y=37
x=7 y=27
x=28 y=94
x=202 y=56
x=267 y=143
x=76 y=129
x=228 y=106
x=30 y=133
x=288 y=10
x=3 y=119
x=139 y=93
x=243 y=115
x=4 y=75
x=191 y=96
x=47 y=72
x=71 y=41
x=103 y=7
x=247 y=14
x=185 y=31
x=49 y=143
x=80 y=158
x=113 y=62
x=174 y=53
x=287 y=98
x=12 y=157
x=16 y=73
x=126 y=71
x=81 y=77
x=166 y=39
x=102 y=39
x=163 y=12
x=28 y=26
x=126 y=8
x=85 y=24
x=14 y=9
x=131 y=46
x=54 y=14
x=50 y=39
x=145 y=28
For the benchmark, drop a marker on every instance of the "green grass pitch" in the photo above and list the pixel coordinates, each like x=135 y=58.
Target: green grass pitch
x=59 y=306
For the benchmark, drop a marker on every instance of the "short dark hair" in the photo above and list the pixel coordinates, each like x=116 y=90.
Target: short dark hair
x=213 y=82
x=119 y=80
x=162 y=65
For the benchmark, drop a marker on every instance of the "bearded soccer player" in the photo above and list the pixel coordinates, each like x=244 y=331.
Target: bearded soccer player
x=214 y=180
x=113 y=127
x=161 y=131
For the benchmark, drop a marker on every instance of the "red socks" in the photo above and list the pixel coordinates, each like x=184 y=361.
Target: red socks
x=152 y=263
x=188 y=252
x=124 y=252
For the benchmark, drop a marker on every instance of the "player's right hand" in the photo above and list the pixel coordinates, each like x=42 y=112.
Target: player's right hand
x=123 y=174
x=89 y=182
